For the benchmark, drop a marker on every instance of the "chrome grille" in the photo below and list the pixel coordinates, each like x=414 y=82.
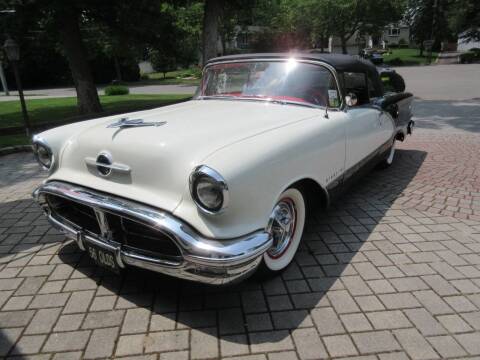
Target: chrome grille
x=108 y=226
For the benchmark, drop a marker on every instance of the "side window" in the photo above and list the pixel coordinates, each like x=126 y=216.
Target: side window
x=357 y=83
x=372 y=90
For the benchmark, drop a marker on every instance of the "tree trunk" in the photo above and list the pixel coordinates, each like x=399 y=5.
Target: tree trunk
x=343 y=41
x=211 y=17
x=324 y=42
x=224 y=43
x=69 y=30
x=118 y=69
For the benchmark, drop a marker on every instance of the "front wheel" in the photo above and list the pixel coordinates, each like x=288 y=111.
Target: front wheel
x=286 y=228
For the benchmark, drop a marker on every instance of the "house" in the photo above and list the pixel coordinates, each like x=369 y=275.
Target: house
x=395 y=34
x=241 y=40
x=465 y=45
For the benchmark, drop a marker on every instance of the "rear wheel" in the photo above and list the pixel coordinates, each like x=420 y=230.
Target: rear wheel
x=286 y=228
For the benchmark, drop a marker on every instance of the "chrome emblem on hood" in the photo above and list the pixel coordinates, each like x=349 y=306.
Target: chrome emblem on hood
x=129 y=123
x=105 y=165
x=104 y=160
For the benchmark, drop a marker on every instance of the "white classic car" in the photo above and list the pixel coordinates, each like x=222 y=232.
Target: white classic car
x=213 y=188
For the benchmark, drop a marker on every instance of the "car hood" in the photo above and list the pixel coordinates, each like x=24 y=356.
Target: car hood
x=161 y=158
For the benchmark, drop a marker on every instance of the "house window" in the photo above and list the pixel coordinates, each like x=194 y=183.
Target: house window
x=393 y=32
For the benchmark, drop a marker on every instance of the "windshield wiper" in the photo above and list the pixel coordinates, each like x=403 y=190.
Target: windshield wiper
x=258 y=98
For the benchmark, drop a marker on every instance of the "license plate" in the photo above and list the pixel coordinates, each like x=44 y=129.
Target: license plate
x=102 y=257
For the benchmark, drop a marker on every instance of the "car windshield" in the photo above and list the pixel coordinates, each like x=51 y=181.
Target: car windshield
x=288 y=81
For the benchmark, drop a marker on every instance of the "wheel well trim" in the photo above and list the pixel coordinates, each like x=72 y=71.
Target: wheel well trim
x=311 y=187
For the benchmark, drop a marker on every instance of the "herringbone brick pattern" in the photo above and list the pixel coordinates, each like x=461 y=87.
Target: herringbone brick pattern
x=391 y=271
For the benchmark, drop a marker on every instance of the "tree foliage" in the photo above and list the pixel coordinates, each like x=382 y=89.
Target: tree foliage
x=464 y=19
x=309 y=23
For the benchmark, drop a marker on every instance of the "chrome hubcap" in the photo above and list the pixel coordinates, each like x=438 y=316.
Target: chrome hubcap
x=282 y=227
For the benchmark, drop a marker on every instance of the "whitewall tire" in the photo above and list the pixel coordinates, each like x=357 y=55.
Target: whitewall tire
x=390 y=157
x=286 y=225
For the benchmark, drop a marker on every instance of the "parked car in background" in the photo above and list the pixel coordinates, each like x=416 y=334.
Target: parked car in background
x=214 y=188
x=374 y=55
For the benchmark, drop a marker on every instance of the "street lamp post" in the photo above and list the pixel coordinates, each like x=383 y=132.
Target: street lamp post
x=13 y=55
x=3 y=80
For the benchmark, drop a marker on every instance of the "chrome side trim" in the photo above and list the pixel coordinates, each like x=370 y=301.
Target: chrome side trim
x=213 y=261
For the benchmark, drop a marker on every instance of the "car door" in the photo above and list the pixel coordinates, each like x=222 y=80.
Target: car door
x=364 y=122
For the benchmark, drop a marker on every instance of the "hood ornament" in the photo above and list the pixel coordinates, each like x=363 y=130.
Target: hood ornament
x=130 y=123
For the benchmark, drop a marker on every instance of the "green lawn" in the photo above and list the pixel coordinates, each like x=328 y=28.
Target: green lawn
x=60 y=109
x=43 y=111
x=407 y=57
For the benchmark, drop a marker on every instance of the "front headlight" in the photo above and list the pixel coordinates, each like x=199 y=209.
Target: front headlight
x=43 y=153
x=209 y=190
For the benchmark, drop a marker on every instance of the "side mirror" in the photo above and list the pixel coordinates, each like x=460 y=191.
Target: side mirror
x=351 y=99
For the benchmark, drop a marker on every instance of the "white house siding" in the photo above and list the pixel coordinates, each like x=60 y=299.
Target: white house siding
x=354 y=45
x=146 y=67
x=404 y=34
x=463 y=45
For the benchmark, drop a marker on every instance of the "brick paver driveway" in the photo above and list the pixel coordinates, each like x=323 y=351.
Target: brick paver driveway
x=392 y=271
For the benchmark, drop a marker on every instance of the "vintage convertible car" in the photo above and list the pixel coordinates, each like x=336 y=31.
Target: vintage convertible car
x=213 y=188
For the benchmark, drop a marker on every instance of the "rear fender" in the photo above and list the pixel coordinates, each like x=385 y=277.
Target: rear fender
x=399 y=106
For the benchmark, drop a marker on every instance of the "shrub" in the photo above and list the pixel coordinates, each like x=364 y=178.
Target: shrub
x=162 y=62
x=194 y=72
x=402 y=43
x=469 y=57
x=476 y=53
x=112 y=90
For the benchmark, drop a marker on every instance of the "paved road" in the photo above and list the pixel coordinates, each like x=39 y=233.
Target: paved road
x=443 y=82
x=392 y=271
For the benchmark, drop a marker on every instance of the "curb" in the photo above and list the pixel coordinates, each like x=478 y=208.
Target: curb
x=15 y=149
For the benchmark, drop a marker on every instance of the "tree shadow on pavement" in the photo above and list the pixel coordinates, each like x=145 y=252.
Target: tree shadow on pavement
x=267 y=309
x=24 y=233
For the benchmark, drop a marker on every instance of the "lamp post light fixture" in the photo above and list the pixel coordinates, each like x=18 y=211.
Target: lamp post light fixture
x=12 y=50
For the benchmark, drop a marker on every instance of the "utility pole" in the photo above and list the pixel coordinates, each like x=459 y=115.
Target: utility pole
x=13 y=55
x=3 y=80
x=432 y=32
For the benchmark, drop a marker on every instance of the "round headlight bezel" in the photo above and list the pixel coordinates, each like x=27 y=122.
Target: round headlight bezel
x=207 y=174
x=40 y=145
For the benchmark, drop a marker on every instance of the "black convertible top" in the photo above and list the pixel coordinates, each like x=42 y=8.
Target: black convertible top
x=340 y=62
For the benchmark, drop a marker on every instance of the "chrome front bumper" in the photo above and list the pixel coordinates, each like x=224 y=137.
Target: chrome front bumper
x=202 y=259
